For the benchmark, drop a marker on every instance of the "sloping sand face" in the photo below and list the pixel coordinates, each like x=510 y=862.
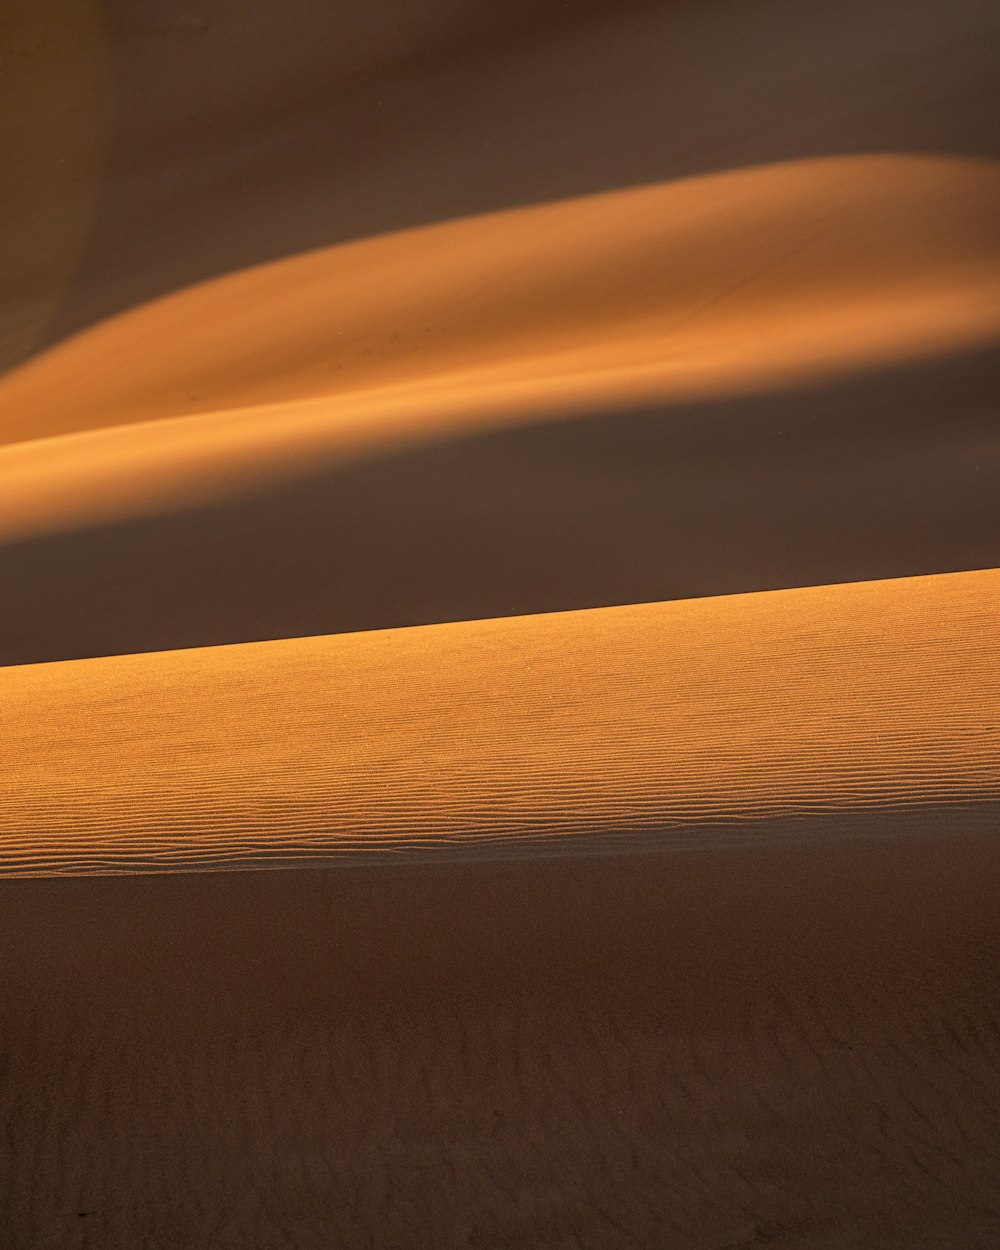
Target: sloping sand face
x=773 y=1021
x=883 y=474
x=751 y=1045
x=707 y=286
x=238 y=139
x=664 y=724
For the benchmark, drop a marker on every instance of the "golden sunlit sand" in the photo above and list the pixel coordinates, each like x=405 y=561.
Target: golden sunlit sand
x=727 y=283
x=677 y=918
x=664 y=725
x=499 y=625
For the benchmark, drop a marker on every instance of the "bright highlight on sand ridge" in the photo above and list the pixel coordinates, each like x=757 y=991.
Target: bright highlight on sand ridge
x=715 y=285
x=659 y=726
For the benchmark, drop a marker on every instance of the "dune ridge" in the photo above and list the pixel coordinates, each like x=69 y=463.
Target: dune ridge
x=720 y=284
x=877 y=254
x=643 y=725
x=878 y=475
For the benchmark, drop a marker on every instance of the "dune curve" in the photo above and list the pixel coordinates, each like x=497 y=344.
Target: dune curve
x=649 y=725
x=236 y=140
x=711 y=286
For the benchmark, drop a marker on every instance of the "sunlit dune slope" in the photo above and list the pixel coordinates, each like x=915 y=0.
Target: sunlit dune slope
x=759 y=271
x=786 y=1030
x=664 y=725
x=711 y=286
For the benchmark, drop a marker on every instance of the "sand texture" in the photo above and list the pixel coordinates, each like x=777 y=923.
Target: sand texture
x=499 y=624
x=781 y=1045
x=675 y=724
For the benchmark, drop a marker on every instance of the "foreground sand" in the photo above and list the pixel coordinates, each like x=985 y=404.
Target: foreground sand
x=791 y=1045
x=774 y=1022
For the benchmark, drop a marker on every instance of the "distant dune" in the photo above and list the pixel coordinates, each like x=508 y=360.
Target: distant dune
x=760 y=283
x=488 y=311
x=702 y=286
x=204 y=138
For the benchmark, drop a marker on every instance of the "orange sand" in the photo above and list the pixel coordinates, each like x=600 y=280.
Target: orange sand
x=666 y=923
x=673 y=921
x=662 y=724
x=723 y=284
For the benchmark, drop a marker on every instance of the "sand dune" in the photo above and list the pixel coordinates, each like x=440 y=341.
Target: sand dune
x=667 y=923
x=774 y=1022
x=671 y=724
x=882 y=474
x=703 y=286
x=228 y=139
x=757 y=1045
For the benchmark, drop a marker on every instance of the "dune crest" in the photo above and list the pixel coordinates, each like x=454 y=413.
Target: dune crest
x=624 y=727
x=642 y=277
x=709 y=286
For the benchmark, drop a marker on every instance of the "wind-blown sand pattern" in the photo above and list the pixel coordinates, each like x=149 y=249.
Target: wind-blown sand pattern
x=674 y=724
x=790 y=1045
x=500 y=624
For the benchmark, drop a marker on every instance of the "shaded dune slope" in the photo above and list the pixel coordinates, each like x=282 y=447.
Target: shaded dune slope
x=401 y=461
x=794 y=712
x=791 y=1046
x=889 y=473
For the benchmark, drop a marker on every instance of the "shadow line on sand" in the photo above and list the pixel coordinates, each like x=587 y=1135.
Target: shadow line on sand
x=890 y=474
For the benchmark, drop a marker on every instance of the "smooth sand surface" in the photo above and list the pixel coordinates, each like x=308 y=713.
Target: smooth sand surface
x=232 y=132
x=499 y=624
x=877 y=475
x=696 y=286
